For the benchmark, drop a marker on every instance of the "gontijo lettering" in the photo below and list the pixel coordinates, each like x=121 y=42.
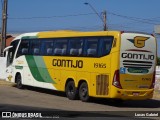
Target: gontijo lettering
x=67 y=63
x=137 y=56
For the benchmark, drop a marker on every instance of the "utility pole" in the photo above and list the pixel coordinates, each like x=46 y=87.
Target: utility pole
x=4 y=26
x=103 y=17
x=105 y=20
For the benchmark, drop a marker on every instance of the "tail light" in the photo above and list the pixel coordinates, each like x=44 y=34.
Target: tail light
x=153 y=81
x=116 y=80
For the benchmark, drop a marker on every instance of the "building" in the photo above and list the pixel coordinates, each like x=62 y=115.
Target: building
x=9 y=38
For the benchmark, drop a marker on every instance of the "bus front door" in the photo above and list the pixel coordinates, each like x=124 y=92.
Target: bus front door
x=9 y=68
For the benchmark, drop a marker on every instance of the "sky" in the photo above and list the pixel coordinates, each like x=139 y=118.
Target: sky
x=44 y=15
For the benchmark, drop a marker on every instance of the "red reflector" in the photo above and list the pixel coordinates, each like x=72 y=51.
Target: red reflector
x=153 y=81
x=116 y=80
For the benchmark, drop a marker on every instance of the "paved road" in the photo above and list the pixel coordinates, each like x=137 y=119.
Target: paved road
x=29 y=99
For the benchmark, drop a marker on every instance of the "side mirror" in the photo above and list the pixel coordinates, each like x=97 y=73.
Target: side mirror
x=5 y=51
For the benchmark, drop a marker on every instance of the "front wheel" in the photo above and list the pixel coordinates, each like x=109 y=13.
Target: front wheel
x=83 y=92
x=19 y=81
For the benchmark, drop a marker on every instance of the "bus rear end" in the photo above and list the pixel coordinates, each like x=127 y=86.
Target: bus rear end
x=135 y=78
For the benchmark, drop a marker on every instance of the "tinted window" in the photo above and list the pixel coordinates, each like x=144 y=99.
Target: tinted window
x=47 y=47
x=82 y=46
x=76 y=47
x=106 y=45
x=60 y=47
x=91 y=47
x=23 y=48
x=35 y=47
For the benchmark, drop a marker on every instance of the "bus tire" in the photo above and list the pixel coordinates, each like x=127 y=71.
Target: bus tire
x=19 y=81
x=83 y=92
x=71 y=90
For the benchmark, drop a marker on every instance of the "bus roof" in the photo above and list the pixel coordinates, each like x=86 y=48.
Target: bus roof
x=74 y=33
x=69 y=33
x=64 y=33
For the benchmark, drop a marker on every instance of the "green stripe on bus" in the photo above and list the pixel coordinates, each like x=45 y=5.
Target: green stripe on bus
x=42 y=69
x=38 y=69
x=33 y=68
x=29 y=37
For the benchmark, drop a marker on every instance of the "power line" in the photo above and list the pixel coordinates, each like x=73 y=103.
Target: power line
x=49 y=28
x=120 y=25
x=48 y=17
x=147 y=21
x=141 y=20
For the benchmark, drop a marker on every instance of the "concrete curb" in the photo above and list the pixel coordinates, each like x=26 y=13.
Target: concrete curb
x=6 y=83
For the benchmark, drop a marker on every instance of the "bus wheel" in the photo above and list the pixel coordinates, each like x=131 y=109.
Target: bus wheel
x=19 y=81
x=83 y=92
x=71 y=90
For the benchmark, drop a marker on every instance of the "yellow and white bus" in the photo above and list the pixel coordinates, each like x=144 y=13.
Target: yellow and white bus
x=102 y=64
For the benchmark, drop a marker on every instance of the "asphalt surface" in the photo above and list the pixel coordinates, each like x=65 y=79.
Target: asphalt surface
x=53 y=103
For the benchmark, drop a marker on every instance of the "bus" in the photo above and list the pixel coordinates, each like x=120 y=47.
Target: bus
x=101 y=64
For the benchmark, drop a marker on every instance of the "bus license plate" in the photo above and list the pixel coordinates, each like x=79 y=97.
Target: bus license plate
x=136 y=94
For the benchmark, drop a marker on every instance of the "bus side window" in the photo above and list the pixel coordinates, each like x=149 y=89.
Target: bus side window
x=92 y=47
x=47 y=47
x=106 y=45
x=35 y=47
x=60 y=47
x=24 y=51
x=23 y=48
x=76 y=46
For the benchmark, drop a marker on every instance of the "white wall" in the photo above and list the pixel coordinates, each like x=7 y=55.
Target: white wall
x=157 y=72
x=157 y=83
x=2 y=67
